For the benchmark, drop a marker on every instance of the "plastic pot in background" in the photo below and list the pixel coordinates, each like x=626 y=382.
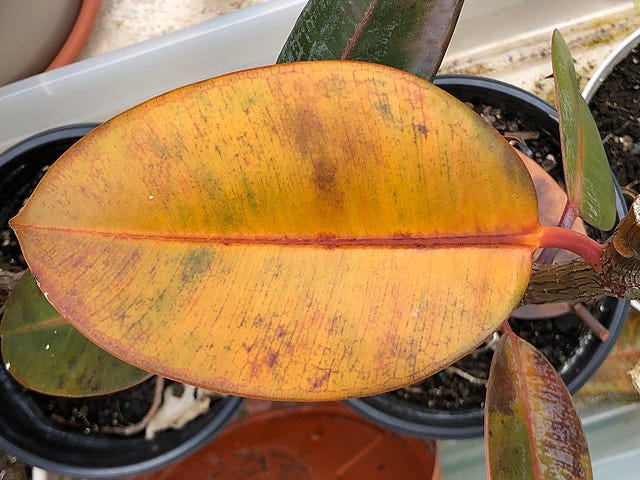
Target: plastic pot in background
x=24 y=431
x=321 y=441
x=392 y=411
x=609 y=63
x=601 y=75
x=38 y=36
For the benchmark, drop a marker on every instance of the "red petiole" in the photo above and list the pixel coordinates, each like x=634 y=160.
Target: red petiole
x=573 y=241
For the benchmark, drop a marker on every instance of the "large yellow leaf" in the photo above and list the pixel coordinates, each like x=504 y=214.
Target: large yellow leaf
x=305 y=231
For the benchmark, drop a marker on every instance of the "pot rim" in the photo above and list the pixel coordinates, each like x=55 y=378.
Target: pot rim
x=606 y=67
x=284 y=430
x=443 y=424
x=191 y=445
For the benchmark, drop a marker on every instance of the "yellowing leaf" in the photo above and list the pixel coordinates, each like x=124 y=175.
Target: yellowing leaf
x=531 y=427
x=305 y=231
x=45 y=353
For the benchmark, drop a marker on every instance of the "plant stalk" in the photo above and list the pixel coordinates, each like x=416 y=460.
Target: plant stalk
x=578 y=280
x=568 y=218
x=575 y=242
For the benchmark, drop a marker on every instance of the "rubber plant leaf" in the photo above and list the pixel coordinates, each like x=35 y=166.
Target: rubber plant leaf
x=532 y=429
x=409 y=35
x=46 y=354
x=612 y=377
x=314 y=230
x=587 y=175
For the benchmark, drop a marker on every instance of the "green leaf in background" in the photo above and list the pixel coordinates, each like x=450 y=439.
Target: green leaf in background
x=45 y=353
x=587 y=174
x=411 y=35
x=531 y=427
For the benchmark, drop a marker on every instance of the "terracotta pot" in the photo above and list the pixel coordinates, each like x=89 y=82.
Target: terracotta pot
x=79 y=34
x=40 y=35
x=310 y=442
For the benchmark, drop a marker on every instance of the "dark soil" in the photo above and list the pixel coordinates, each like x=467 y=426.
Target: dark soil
x=558 y=338
x=616 y=109
x=12 y=469
x=90 y=415
x=10 y=253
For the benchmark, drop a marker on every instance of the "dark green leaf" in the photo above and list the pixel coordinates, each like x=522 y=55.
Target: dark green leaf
x=411 y=35
x=45 y=353
x=587 y=174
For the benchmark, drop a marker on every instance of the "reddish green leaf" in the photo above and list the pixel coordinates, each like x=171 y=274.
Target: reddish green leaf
x=587 y=175
x=532 y=430
x=410 y=35
x=45 y=353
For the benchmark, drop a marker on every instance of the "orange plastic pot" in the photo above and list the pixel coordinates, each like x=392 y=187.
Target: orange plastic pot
x=38 y=36
x=79 y=34
x=310 y=442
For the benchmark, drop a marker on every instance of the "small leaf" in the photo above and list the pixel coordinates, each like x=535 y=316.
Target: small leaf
x=545 y=310
x=551 y=202
x=612 y=376
x=532 y=428
x=587 y=174
x=45 y=353
x=314 y=230
x=409 y=35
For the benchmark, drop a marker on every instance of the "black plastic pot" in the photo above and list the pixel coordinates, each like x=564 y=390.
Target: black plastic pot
x=392 y=411
x=24 y=430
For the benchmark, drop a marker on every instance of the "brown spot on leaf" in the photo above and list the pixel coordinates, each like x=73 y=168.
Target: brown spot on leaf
x=324 y=175
x=335 y=326
x=422 y=129
x=320 y=381
x=272 y=358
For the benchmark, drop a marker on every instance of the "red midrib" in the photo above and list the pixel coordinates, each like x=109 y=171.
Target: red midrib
x=359 y=30
x=531 y=239
x=579 y=173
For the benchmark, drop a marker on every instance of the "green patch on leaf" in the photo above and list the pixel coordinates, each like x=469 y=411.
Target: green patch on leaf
x=46 y=354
